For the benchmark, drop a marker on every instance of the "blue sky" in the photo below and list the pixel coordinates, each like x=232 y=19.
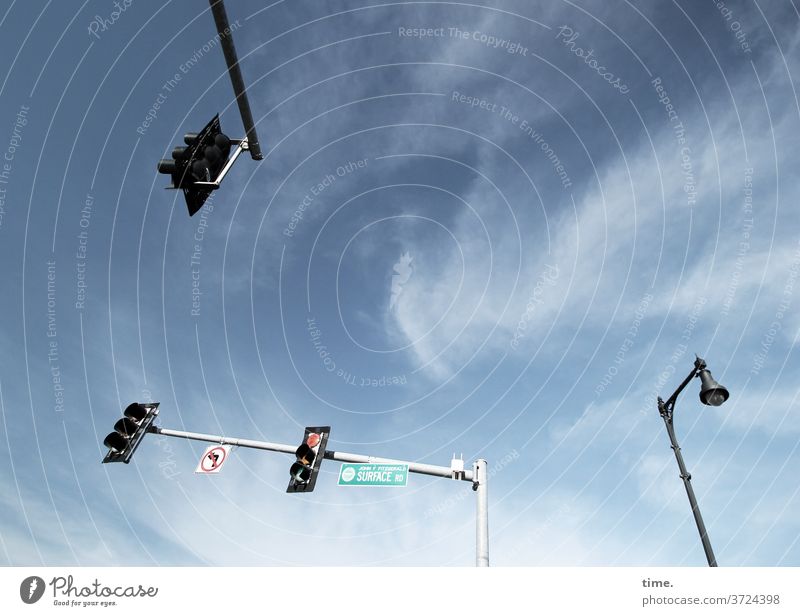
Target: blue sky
x=520 y=220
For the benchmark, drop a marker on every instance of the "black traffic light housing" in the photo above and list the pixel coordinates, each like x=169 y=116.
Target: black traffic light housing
x=198 y=168
x=129 y=431
x=303 y=473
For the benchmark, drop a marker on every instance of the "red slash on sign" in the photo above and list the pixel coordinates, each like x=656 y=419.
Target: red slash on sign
x=212 y=459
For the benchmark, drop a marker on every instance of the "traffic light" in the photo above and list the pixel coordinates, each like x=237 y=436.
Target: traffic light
x=197 y=168
x=129 y=431
x=304 y=471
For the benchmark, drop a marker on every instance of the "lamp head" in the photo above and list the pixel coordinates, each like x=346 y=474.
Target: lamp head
x=711 y=392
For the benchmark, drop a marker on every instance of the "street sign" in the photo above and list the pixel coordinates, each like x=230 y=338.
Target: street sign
x=374 y=475
x=212 y=459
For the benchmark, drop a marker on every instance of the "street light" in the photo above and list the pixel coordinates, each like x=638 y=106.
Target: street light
x=711 y=394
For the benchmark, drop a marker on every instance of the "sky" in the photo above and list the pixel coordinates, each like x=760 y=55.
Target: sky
x=497 y=230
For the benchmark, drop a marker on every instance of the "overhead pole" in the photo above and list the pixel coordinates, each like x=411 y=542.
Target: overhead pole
x=239 y=89
x=482 y=514
x=478 y=476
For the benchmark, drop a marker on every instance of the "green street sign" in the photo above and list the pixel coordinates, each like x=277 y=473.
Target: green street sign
x=374 y=475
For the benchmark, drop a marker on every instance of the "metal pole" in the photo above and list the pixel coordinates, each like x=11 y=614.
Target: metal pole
x=482 y=514
x=239 y=89
x=222 y=440
x=341 y=456
x=413 y=467
x=667 y=410
x=687 y=482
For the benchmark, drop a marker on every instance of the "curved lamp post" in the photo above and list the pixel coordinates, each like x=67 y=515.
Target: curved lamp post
x=711 y=394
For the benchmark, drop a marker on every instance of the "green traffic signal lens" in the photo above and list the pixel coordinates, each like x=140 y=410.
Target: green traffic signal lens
x=300 y=472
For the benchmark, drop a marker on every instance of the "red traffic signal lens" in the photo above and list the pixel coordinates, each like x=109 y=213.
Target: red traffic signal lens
x=313 y=439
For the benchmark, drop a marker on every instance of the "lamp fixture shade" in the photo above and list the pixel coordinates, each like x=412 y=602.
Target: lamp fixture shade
x=711 y=392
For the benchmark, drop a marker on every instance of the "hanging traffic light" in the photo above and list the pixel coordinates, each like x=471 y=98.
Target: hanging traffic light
x=199 y=168
x=129 y=431
x=303 y=473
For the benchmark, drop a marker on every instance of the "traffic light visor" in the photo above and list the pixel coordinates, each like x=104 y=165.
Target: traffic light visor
x=116 y=441
x=135 y=411
x=305 y=454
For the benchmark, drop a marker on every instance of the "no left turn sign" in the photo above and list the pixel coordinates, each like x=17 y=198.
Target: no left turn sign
x=212 y=459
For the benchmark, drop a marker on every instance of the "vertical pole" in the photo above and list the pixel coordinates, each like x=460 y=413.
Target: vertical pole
x=480 y=477
x=239 y=89
x=687 y=482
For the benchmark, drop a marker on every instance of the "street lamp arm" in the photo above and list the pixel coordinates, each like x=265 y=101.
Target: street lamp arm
x=665 y=408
